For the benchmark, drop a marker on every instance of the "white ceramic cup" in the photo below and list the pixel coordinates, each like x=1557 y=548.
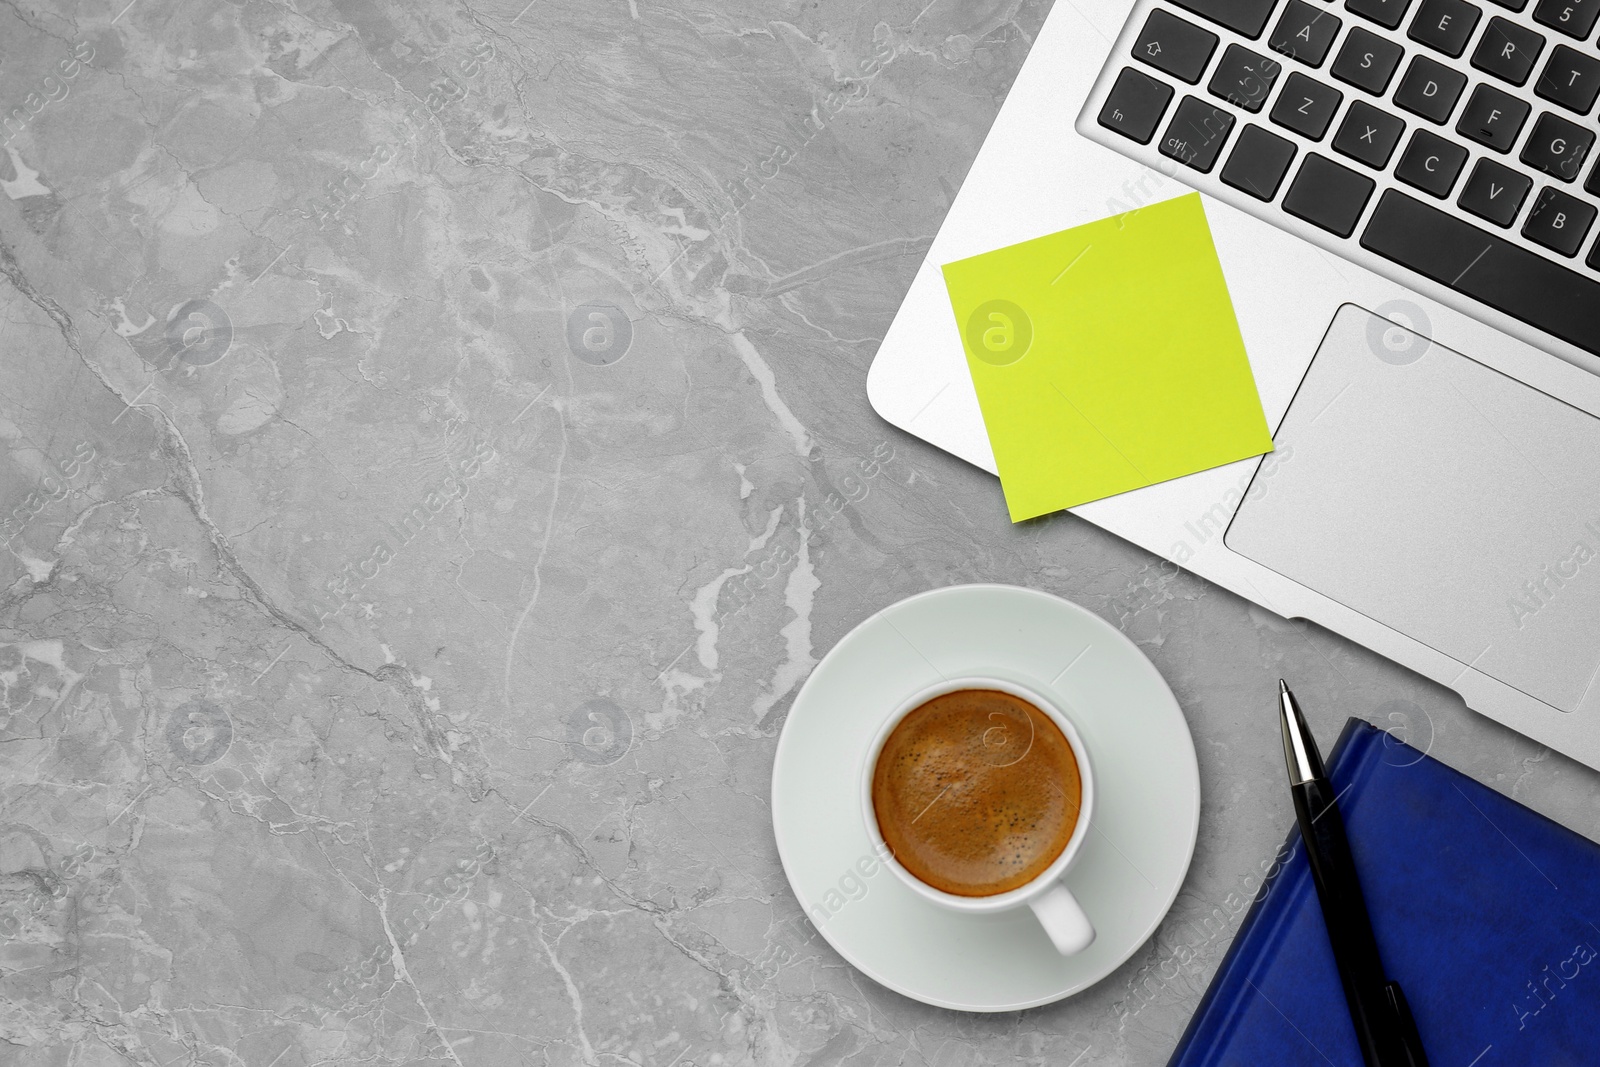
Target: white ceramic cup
x=1057 y=909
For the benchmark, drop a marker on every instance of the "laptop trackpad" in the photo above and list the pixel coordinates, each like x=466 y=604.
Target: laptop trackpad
x=1443 y=499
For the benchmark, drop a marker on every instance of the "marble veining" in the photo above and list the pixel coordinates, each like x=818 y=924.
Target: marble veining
x=433 y=452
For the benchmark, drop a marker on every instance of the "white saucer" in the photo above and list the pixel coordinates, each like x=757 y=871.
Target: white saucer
x=1141 y=839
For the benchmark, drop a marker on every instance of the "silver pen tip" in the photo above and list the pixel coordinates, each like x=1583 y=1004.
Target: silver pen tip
x=1299 y=751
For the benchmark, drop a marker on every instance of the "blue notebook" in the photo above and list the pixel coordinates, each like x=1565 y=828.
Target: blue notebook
x=1486 y=913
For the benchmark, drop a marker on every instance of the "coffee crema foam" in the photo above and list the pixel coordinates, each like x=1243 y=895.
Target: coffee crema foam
x=976 y=792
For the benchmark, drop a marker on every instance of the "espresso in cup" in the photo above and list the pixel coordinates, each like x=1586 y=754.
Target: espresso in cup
x=976 y=792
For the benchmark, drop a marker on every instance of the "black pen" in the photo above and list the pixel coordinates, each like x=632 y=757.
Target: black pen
x=1384 y=1027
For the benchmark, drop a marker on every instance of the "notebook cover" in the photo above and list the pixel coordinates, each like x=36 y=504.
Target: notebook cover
x=1485 y=912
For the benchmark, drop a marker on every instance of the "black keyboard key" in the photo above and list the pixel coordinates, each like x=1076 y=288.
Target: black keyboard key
x=1135 y=105
x=1196 y=134
x=1368 y=134
x=1476 y=263
x=1174 y=45
x=1495 y=192
x=1328 y=195
x=1507 y=50
x=1557 y=147
x=1594 y=257
x=1513 y=5
x=1243 y=78
x=1386 y=13
x=1571 y=79
x=1431 y=163
x=1366 y=60
x=1305 y=32
x=1240 y=16
x=1258 y=162
x=1306 y=106
x=1445 y=25
x=1493 y=118
x=1430 y=89
x=1558 y=221
x=1592 y=186
x=1575 y=18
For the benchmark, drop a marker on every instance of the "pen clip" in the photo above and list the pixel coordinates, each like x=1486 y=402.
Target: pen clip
x=1406 y=1026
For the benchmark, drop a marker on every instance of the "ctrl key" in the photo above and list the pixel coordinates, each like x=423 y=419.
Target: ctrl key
x=1197 y=133
x=1135 y=105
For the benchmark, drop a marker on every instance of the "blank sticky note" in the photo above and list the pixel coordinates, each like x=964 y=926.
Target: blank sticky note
x=1107 y=358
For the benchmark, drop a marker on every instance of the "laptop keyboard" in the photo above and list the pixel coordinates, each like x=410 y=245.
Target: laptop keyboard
x=1452 y=139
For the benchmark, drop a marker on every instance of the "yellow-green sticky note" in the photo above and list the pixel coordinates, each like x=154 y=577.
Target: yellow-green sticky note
x=1107 y=358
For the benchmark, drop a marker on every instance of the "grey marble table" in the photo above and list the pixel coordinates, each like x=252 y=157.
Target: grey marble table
x=435 y=452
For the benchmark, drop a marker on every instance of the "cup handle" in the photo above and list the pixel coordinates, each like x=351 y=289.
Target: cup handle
x=1063 y=919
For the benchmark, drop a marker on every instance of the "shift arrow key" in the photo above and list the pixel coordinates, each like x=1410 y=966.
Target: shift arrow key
x=1174 y=45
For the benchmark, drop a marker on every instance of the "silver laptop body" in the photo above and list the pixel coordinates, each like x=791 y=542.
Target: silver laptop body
x=1435 y=493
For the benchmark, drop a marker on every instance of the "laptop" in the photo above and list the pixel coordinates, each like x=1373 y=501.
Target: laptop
x=1403 y=196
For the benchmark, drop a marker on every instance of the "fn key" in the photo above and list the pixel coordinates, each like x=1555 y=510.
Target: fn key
x=1135 y=105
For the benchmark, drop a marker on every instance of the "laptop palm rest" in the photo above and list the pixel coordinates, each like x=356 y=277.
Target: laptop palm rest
x=1443 y=499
